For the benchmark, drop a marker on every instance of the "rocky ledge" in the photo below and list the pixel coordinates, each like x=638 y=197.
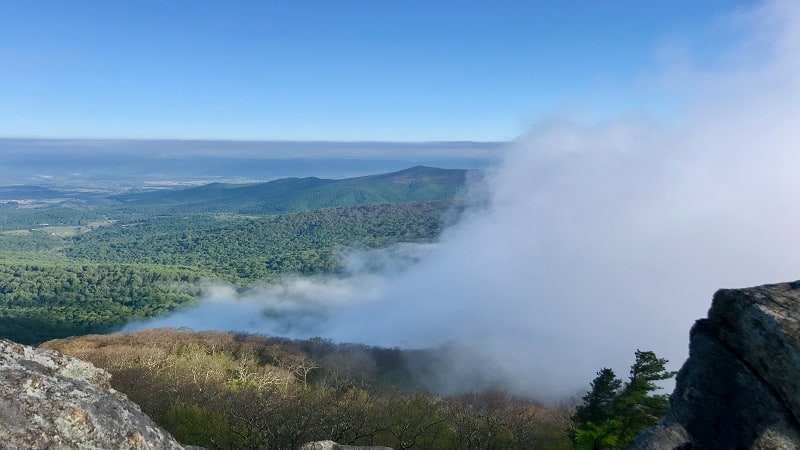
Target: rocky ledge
x=740 y=387
x=331 y=445
x=52 y=401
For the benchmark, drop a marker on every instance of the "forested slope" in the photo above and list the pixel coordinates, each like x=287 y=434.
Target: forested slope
x=45 y=297
x=300 y=194
x=222 y=390
x=244 y=249
x=97 y=278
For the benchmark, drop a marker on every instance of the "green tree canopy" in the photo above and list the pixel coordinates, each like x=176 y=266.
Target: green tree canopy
x=636 y=406
x=598 y=403
x=612 y=414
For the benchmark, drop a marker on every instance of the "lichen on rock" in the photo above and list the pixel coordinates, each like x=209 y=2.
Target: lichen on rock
x=49 y=400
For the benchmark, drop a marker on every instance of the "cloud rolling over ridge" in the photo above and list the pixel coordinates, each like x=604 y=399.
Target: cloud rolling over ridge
x=600 y=238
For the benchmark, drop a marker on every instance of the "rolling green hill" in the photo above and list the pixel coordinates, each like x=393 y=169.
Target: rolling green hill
x=301 y=194
x=245 y=249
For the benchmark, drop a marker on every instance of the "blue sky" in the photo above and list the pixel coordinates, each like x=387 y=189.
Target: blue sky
x=336 y=70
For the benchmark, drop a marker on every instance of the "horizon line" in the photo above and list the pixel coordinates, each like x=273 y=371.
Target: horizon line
x=221 y=140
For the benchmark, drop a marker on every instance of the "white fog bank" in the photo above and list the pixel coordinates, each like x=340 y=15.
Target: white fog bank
x=600 y=239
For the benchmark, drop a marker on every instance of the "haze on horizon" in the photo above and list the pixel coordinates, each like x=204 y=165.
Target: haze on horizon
x=254 y=149
x=133 y=163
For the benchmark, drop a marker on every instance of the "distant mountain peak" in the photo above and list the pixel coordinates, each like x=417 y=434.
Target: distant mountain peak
x=418 y=183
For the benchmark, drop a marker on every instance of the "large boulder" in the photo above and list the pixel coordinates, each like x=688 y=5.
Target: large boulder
x=740 y=387
x=52 y=401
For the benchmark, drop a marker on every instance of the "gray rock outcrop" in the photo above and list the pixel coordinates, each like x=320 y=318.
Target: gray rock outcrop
x=740 y=387
x=330 y=445
x=52 y=401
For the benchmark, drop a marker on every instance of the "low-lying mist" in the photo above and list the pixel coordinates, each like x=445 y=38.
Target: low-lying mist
x=599 y=238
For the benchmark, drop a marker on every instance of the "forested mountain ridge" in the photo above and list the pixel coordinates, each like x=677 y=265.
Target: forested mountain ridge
x=415 y=184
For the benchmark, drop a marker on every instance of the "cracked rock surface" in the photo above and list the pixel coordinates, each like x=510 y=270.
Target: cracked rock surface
x=52 y=401
x=740 y=387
